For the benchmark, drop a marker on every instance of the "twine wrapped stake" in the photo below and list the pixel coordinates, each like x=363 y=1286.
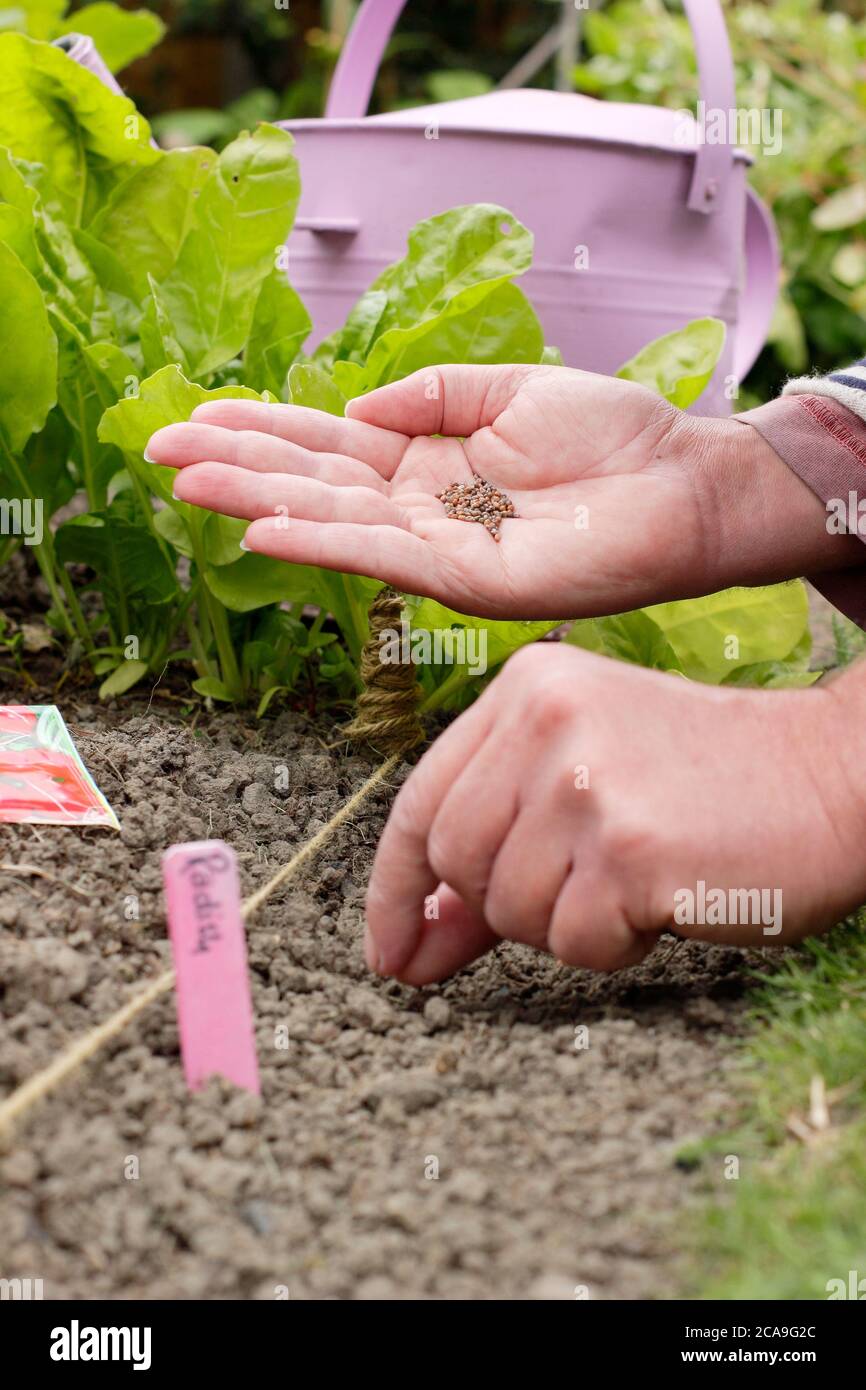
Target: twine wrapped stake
x=387 y=717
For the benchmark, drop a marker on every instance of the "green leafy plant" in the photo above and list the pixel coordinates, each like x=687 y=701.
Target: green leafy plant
x=120 y=35
x=801 y=62
x=138 y=283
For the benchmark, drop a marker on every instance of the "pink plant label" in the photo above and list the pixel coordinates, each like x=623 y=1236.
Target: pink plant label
x=208 y=942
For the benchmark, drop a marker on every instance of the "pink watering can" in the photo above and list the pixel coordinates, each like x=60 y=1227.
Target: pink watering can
x=640 y=223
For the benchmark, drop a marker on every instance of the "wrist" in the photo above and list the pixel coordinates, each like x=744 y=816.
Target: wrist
x=763 y=524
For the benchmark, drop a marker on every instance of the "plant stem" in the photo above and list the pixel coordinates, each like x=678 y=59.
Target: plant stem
x=218 y=620
x=143 y=497
x=358 y=636
x=198 y=648
x=86 y=453
x=78 y=617
x=228 y=660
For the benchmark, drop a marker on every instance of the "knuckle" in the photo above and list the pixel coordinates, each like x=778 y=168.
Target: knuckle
x=628 y=843
x=410 y=801
x=444 y=852
x=454 y=860
x=500 y=911
x=248 y=443
x=511 y=918
x=523 y=661
x=562 y=940
x=550 y=707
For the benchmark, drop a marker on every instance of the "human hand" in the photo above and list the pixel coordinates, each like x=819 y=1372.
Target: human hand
x=621 y=499
x=573 y=803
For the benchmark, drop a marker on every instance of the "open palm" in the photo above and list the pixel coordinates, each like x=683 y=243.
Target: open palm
x=608 y=516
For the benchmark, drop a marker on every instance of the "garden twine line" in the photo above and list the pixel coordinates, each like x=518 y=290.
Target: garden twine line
x=388 y=718
x=36 y=1087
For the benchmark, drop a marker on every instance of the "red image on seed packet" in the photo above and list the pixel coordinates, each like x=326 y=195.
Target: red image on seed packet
x=42 y=778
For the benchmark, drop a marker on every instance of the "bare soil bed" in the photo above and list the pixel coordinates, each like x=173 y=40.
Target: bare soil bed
x=556 y=1166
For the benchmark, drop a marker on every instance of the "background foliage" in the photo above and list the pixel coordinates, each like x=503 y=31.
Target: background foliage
x=225 y=64
x=107 y=253
x=804 y=57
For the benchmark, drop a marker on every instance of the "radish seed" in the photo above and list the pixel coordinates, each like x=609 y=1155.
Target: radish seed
x=478 y=501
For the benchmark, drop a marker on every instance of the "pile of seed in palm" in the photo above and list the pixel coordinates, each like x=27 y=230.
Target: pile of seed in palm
x=478 y=501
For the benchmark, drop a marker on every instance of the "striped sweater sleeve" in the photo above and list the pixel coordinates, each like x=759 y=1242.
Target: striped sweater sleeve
x=818 y=428
x=848 y=387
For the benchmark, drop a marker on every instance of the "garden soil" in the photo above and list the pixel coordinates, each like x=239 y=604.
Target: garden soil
x=451 y=1142
x=446 y=1143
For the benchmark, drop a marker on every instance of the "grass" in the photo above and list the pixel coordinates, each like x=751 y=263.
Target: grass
x=795 y=1217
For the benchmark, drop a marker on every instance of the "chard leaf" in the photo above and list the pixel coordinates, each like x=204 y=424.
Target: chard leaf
x=221 y=538
x=713 y=637
x=41 y=17
x=17 y=214
x=148 y=217
x=45 y=243
x=243 y=216
x=163 y=399
x=213 y=688
x=28 y=352
x=126 y=558
x=253 y=581
x=117 y=290
x=630 y=637
x=122 y=678
x=772 y=675
x=494 y=643
x=351 y=379
x=361 y=327
x=464 y=252
x=680 y=365
x=53 y=111
x=279 y=329
x=311 y=386
x=454 y=261
x=159 y=345
x=503 y=327
x=120 y=35
x=171 y=525
x=114 y=367
x=46 y=473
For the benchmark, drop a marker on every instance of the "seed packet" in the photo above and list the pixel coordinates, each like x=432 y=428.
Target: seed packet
x=42 y=778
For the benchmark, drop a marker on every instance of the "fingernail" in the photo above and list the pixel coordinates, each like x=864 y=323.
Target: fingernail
x=372 y=954
x=147 y=458
x=243 y=545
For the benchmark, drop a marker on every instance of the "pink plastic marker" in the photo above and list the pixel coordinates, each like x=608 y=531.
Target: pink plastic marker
x=213 y=989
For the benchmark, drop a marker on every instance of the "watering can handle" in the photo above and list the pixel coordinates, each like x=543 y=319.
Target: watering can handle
x=355 y=75
x=761 y=287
